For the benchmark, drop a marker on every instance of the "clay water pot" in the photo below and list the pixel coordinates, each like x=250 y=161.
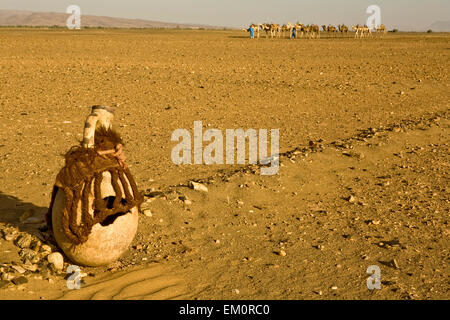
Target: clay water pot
x=110 y=238
x=105 y=244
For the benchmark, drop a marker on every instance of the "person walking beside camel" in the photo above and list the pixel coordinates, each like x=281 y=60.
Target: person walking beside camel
x=294 y=33
x=252 y=32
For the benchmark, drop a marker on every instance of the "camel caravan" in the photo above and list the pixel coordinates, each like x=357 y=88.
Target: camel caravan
x=312 y=31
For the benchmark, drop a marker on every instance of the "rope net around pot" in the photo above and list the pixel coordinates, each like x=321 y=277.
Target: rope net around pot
x=81 y=178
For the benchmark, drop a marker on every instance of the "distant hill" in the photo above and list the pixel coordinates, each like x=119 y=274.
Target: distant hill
x=37 y=19
x=440 y=26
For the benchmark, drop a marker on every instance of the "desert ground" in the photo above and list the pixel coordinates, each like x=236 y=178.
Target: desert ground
x=363 y=177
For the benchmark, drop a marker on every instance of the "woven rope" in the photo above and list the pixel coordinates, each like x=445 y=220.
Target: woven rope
x=85 y=167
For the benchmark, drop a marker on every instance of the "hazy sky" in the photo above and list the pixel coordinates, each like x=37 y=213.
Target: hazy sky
x=238 y=13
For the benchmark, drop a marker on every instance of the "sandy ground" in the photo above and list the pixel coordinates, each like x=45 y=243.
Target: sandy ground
x=364 y=176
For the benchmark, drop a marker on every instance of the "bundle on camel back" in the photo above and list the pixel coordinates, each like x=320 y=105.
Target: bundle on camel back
x=95 y=201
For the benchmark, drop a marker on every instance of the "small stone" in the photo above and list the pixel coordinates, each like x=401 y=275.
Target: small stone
x=236 y=291
x=156 y=194
x=395 y=264
x=198 y=186
x=351 y=199
x=30 y=267
x=353 y=154
x=282 y=253
x=138 y=247
x=7 y=276
x=57 y=260
x=24 y=241
x=147 y=201
x=19 y=280
x=11 y=236
x=45 y=248
x=19 y=269
x=334 y=288
x=217 y=241
x=187 y=202
x=148 y=213
x=27 y=254
x=35 y=245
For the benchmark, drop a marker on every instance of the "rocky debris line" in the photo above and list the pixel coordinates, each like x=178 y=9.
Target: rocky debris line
x=425 y=121
x=167 y=194
x=171 y=194
x=302 y=151
x=39 y=259
x=422 y=123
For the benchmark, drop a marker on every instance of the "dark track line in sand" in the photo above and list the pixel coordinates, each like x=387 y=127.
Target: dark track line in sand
x=427 y=120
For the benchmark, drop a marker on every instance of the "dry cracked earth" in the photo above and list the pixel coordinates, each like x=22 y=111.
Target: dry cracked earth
x=363 y=177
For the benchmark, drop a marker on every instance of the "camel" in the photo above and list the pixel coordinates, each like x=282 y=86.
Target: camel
x=266 y=28
x=381 y=30
x=300 y=29
x=285 y=29
x=273 y=28
x=362 y=31
x=306 y=30
x=358 y=29
x=276 y=30
x=366 y=30
x=343 y=29
x=315 y=31
x=329 y=29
